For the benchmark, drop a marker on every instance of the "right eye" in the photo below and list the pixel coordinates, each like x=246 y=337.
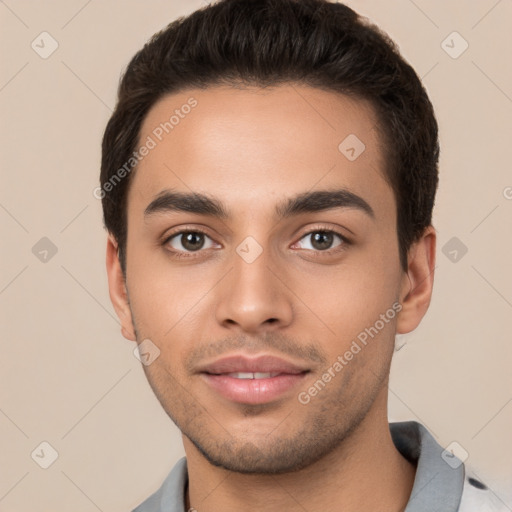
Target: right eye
x=186 y=242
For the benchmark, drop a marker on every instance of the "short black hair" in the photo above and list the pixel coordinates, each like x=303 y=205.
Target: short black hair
x=270 y=43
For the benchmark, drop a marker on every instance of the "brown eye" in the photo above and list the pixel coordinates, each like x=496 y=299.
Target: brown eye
x=321 y=240
x=189 y=241
x=192 y=241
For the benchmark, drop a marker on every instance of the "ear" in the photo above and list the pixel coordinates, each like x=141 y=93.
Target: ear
x=117 y=290
x=417 y=282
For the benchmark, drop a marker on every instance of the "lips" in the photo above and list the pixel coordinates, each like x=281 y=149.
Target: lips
x=256 y=380
x=260 y=364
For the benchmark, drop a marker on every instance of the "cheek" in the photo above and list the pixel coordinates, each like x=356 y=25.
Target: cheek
x=359 y=289
x=353 y=302
x=164 y=297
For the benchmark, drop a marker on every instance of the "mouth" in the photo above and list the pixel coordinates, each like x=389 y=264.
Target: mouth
x=253 y=388
x=250 y=375
x=245 y=380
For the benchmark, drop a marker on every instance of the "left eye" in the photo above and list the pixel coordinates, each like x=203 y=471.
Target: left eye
x=321 y=240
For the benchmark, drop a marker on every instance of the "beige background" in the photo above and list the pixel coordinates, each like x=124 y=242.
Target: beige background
x=69 y=378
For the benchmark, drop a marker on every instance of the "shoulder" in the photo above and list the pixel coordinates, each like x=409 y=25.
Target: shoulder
x=478 y=497
x=170 y=497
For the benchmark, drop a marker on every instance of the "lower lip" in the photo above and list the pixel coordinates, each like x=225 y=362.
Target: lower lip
x=253 y=391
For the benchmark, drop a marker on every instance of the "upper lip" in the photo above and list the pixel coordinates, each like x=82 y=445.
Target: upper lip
x=260 y=364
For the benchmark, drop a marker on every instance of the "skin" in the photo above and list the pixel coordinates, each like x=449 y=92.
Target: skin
x=252 y=149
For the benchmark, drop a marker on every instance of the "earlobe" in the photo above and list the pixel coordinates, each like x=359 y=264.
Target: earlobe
x=417 y=282
x=117 y=289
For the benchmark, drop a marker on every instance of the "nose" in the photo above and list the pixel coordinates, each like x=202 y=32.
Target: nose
x=253 y=297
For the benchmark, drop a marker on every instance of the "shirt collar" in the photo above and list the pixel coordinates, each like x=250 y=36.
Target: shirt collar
x=439 y=476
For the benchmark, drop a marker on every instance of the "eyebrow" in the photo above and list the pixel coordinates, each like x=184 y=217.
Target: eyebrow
x=306 y=202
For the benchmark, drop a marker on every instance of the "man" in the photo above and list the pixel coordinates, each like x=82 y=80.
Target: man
x=268 y=178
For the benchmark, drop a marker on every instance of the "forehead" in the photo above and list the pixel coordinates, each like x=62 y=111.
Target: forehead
x=253 y=146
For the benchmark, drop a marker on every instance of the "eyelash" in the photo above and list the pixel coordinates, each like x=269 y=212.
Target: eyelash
x=322 y=229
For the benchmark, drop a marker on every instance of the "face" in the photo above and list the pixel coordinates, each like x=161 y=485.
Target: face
x=273 y=291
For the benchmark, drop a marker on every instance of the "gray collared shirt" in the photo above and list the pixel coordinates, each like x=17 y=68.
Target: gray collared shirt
x=440 y=484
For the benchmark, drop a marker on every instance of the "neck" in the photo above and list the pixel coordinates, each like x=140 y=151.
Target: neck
x=365 y=472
